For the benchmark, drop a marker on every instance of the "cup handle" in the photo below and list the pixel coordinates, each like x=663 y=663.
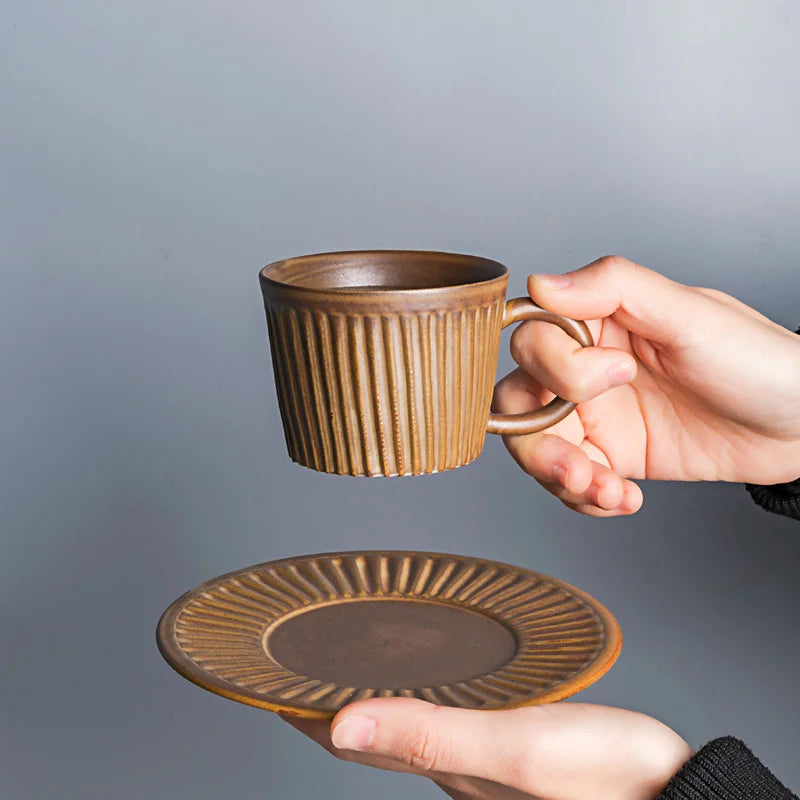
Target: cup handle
x=521 y=309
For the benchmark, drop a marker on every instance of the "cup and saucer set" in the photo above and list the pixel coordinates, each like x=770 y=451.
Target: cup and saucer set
x=384 y=365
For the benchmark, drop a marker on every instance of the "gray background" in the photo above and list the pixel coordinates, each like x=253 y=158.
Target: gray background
x=156 y=154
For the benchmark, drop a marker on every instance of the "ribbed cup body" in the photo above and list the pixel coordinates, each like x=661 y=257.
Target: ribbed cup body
x=384 y=383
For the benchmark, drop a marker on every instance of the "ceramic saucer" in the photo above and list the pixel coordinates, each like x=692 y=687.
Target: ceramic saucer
x=310 y=634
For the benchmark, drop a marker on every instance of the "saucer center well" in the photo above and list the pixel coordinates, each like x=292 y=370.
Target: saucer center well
x=391 y=644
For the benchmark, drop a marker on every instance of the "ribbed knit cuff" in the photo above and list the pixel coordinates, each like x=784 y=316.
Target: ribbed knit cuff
x=725 y=769
x=782 y=498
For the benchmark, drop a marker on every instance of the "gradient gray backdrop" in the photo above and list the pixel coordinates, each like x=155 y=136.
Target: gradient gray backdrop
x=155 y=154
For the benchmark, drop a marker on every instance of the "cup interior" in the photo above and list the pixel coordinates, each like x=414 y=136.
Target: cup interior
x=394 y=270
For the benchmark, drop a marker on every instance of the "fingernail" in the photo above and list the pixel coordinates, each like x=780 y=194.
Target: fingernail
x=619 y=373
x=353 y=733
x=560 y=474
x=555 y=281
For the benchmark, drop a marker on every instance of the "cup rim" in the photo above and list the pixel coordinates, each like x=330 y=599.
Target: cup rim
x=500 y=277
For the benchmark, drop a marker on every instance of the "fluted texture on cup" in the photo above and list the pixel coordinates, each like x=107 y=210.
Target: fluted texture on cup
x=384 y=394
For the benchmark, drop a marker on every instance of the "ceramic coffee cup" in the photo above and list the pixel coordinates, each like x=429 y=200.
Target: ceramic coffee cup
x=385 y=360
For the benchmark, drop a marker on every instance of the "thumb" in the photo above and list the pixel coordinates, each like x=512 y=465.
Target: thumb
x=644 y=302
x=424 y=736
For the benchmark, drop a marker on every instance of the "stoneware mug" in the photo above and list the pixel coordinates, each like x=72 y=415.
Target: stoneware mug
x=385 y=360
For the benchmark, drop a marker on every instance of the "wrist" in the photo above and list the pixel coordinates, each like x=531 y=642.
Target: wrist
x=657 y=755
x=661 y=768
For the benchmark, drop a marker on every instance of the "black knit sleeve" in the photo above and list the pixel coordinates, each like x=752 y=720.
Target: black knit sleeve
x=725 y=769
x=780 y=498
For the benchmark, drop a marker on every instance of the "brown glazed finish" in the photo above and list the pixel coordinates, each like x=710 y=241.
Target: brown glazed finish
x=385 y=361
x=311 y=634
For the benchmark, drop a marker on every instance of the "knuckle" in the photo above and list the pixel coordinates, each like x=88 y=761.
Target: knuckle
x=578 y=389
x=611 y=265
x=716 y=294
x=520 y=343
x=422 y=751
x=501 y=395
x=572 y=384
